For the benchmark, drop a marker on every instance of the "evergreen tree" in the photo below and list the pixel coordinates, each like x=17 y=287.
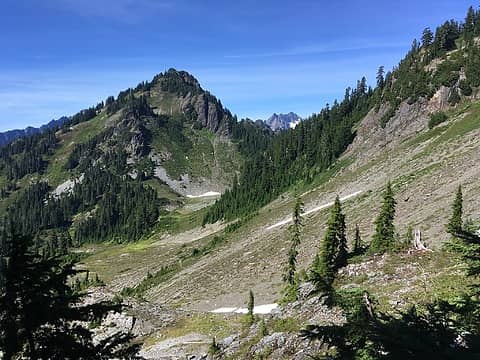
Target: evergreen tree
x=333 y=250
x=340 y=234
x=295 y=230
x=250 y=307
x=409 y=237
x=469 y=25
x=380 y=77
x=432 y=333
x=427 y=37
x=357 y=241
x=455 y=225
x=40 y=315
x=214 y=348
x=384 y=236
x=276 y=163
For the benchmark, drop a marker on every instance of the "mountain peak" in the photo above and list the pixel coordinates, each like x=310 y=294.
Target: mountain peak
x=283 y=121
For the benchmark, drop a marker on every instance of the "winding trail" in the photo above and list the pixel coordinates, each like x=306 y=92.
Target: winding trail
x=318 y=208
x=207 y=194
x=260 y=309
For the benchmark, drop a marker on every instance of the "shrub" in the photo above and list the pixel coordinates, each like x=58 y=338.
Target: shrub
x=465 y=88
x=437 y=118
x=454 y=98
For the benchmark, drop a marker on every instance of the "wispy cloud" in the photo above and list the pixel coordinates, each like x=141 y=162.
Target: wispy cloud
x=129 y=11
x=317 y=49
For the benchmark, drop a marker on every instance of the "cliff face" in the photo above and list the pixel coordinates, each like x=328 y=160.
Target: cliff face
x=178 y=92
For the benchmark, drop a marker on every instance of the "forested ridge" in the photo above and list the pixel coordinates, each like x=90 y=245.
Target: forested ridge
x=294 y=155
x=300 y=154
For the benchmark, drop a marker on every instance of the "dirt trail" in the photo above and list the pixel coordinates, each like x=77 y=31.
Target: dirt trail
x=311 y=211
x=190 y=235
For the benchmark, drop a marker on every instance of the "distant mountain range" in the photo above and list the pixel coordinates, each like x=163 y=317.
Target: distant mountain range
x=8 y=136
x=283 y=121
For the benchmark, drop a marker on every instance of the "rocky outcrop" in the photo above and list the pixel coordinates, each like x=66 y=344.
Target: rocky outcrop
x=179 y=92
x=284 y=343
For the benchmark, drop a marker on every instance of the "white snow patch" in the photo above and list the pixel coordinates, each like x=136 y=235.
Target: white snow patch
x=207 y=194
x=261 y=309
x=318 y=208
x=293 y=124
x=224 y=310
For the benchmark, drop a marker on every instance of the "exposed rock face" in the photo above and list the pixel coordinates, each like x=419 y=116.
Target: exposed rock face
x=409 y=119
x=180 y=92
x=207 y=111
x=282 y=344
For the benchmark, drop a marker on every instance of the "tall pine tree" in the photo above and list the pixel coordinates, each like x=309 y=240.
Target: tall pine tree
x=384 y=237
x=455 y=224
x=357 y=241
x=333 y=250
x=290 y=271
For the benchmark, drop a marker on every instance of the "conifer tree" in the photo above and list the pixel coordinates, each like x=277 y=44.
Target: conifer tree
x=380 y=77
x=455 y=224
x=469 y=26
x=295 y=230
x=250 y=307
x=427 y=37
x=357 y=241
x=340 y=234
x=384 y=237
x=214 y=348
x=333 y=251
x=40 y=315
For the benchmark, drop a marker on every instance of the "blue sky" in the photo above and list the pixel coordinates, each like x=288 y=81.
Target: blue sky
x=258 y=57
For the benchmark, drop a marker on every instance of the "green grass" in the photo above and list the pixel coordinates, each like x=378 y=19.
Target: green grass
x=207 y=156
x=405 y=180
x=288 y=325
x=452 y=130
x=461 y=127
x=176 y=222
x=435 y=275
x=163 y=190
x=187 y=257
x=211 y=325
x=56 y=172
x=151 y=280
